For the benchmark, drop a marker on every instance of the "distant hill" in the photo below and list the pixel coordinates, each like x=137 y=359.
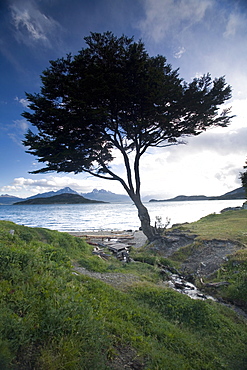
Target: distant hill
x=6 y=199
x=181 y=198
x=107 y=196
x=64 y=198
x=238 y=193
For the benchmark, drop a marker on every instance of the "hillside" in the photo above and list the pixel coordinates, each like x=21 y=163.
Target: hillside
x=56 y=316
x=58 y=199
x=238 y=193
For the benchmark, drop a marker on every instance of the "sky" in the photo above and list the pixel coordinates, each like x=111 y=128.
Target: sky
x=196 y=36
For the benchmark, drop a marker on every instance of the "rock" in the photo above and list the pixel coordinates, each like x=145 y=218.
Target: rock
x=231 y=209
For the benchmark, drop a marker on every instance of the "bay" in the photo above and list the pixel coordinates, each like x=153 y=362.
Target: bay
x=112 y=216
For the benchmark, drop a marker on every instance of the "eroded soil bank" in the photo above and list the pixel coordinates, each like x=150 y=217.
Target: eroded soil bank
x=197 y=256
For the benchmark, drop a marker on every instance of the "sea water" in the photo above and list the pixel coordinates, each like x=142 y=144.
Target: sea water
x=109 y=216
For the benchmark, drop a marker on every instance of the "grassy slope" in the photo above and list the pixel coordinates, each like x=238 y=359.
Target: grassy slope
x=52 y=319
x=228 y=225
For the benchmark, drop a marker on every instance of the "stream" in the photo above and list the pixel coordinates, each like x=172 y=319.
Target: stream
x=172 y=278
x=179 y=284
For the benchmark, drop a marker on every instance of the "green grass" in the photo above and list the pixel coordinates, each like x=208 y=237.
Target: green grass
x=234 y=271
x=228 y=225
x=51 y=319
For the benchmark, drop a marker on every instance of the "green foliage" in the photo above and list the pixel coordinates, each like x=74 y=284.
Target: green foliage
x=108 y=96
x=94 y=263
x=51 y=319
x=146 y=256
x=234 y=271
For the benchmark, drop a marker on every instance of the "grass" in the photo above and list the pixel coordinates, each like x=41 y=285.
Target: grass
x=234 y=271
x=51 y=319
x=228 y=225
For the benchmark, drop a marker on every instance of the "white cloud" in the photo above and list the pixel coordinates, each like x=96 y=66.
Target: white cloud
x=179 y=53
x=25 y=187
x=166 y=17
x=22 y=20
x=21 y=124
x=31 y=25
x=235 y=22
x=190 y=172
x=23 y=102
x=16 y=130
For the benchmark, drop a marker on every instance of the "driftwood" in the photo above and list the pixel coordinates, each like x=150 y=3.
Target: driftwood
x=215 y=285
x=120 y=250
x=99 y=252
x=106 y=236
x=102 y=255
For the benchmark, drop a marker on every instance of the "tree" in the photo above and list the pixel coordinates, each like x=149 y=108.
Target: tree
x=243 y=177
x=114 y=96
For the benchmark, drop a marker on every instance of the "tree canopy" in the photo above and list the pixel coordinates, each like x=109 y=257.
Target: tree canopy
x=113 y=96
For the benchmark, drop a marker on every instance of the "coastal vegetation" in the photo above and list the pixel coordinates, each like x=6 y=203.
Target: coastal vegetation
x=113 y=97
x=52 y=317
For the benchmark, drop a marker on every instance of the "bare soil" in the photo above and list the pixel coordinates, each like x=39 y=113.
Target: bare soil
x=204 y=257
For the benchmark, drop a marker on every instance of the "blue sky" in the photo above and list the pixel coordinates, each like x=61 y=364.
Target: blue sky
x=196 y=36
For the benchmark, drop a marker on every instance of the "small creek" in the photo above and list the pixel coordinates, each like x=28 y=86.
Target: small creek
x=173 y=280
x=179 y=284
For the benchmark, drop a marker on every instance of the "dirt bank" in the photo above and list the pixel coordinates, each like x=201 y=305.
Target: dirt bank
x=198 y=256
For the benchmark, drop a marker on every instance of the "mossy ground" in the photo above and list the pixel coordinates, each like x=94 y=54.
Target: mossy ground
x=52 y=319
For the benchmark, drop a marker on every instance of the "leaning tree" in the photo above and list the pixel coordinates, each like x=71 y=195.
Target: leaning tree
x=111 y=97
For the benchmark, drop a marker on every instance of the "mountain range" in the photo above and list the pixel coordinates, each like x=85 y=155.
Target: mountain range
x=109 y=197
x=238 y=193
x=96 y=195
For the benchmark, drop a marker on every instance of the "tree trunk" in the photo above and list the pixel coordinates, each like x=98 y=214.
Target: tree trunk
x=144 y=217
